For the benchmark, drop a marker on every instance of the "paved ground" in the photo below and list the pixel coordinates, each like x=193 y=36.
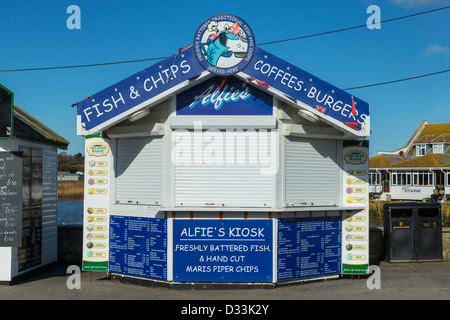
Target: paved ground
x=411 y=281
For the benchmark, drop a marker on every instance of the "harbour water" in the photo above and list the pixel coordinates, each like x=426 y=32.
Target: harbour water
x=70 y=213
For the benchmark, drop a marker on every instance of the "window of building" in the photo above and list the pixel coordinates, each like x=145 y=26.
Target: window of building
x=423 y=178
x=438 y=148
x=402 y=178
x=374 y=178
x=421 y=149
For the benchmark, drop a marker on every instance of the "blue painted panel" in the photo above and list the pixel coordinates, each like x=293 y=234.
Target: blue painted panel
x=235 y=97
x=295 y=83
x=308 y=247
x=138 y=88
x=222 y=250
x=138 y=246
x=298 y=84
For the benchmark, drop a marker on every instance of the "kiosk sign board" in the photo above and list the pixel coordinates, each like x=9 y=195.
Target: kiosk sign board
x=299 y=85
x=224 y=45
x=227 y=250
x=232 y=97
x=147 y=85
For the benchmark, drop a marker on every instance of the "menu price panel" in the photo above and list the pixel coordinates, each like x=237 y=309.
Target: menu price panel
x=355 y=223
x=10 y=199
x=98 y=162
x=138 y=246
x=308 y=247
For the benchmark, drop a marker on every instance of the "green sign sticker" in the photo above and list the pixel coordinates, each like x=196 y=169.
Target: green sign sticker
x=6 y=113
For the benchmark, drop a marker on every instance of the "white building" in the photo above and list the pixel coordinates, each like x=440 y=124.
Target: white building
x=37 y=148
x=416 y=171
x=67 y=176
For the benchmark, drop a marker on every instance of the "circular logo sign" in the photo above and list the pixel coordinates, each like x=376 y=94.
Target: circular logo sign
x=224 y=44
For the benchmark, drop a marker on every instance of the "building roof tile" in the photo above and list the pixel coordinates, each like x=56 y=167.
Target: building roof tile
x=28 y=127
x=433 y=133
x=431 y=160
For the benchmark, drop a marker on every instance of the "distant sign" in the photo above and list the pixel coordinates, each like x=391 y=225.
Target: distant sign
x=222 y=250
x=6 y=112
x=10 y=199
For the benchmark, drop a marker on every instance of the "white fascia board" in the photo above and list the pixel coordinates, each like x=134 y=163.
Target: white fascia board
x=228 y=122
x=260 y=209
x=141 y=130
x=298 y=130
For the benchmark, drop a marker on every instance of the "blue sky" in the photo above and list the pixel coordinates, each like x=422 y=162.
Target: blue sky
x=35 y=35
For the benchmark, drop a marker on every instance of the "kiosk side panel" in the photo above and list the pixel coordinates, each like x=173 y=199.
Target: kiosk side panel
x=98 y=166
x=355 y=223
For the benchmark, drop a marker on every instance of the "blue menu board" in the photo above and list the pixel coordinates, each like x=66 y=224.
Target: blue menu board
x=138 y=246
x=308 y=247
x=228 y=250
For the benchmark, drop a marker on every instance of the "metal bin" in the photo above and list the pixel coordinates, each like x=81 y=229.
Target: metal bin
x=413 y=232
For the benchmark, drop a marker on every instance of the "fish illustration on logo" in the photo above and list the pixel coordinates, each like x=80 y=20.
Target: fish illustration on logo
x=219 y=44
x=224 y=44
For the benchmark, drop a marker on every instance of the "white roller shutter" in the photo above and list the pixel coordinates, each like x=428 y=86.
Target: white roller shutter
x=139 y=170
x=224 y=168
x=311 y=172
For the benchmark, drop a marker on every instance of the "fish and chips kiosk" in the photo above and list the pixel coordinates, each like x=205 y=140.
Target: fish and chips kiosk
x=28 y=192
x=225 y=164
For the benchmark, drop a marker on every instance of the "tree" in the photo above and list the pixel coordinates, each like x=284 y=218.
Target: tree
x=70 y=163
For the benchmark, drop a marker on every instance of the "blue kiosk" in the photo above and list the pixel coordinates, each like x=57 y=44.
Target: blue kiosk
x=225 y=164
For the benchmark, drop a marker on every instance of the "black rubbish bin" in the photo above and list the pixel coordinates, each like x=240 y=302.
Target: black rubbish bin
x=413 y=231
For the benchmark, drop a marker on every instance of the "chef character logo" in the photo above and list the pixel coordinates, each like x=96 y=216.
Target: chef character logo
x=224 y=44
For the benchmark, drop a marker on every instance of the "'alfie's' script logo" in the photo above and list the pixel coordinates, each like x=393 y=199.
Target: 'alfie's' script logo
x=226 y=96
x=217 y=97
